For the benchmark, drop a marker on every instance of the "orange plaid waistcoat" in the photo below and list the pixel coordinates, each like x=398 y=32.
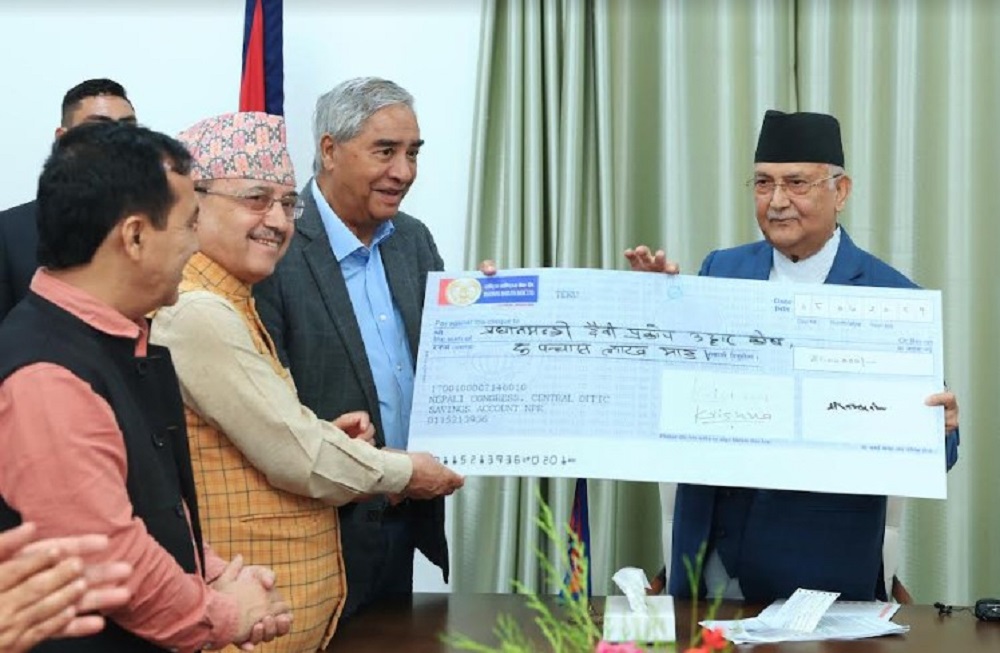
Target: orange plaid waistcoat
x=298 y=537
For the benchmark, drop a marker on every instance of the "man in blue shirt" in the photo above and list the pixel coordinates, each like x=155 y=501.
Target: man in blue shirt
x=343 y=308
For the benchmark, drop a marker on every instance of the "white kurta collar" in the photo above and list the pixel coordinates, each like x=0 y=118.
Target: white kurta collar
x=814 y=269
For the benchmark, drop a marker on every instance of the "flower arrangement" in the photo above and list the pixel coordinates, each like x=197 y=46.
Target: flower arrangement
x=576 y=629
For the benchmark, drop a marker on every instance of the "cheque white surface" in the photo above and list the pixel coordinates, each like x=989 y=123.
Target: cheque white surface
x=650 y=377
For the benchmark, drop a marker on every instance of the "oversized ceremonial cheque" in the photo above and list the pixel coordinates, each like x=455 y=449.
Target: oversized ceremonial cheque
x=653 y=377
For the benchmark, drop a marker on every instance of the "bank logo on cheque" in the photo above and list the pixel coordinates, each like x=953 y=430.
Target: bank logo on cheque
x=463 y=292
x=466 y=291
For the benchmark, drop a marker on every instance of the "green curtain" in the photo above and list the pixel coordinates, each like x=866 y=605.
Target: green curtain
x=543 y=194
x=604 y=124
x=917 y=88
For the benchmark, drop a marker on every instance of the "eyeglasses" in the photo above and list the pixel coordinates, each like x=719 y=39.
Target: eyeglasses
x=764 y=187
x=261 y=202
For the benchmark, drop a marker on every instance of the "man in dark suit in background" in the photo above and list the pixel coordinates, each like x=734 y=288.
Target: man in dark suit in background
x=764 y=544
x=90 y=101
x=344 y=307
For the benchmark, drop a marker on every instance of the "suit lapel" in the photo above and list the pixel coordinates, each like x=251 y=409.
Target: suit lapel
x=761 y=262
x=397 y=258
x=847 y=268
x=328 y=279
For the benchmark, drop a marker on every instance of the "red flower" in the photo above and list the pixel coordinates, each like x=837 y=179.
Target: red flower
x=713 y=639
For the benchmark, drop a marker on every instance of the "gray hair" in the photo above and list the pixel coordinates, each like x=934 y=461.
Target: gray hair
x=835 y=172
x=343 y=112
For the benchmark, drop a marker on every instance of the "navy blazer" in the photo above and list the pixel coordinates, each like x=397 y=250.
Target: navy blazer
x=791 y=539
x=18 y=254
x=307 y=310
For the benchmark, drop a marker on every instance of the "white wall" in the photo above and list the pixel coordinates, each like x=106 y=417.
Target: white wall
x=180 y=61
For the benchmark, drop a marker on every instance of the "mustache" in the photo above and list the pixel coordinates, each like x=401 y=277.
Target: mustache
x=269 y=233
x=779 y=215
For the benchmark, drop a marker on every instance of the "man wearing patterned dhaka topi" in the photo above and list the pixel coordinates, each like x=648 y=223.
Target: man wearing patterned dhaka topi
x=267 y=469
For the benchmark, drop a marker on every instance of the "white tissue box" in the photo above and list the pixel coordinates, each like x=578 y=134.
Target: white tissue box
x=621 y=624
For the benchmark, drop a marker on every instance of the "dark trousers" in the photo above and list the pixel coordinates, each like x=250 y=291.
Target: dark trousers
x=391 y=576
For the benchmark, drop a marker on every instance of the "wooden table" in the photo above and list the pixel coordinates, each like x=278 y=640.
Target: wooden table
x=415 y=627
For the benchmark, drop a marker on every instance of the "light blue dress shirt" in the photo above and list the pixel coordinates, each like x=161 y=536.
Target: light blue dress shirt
x=381 y=323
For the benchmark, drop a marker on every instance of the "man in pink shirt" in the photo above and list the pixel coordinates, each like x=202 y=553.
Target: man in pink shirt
x=91 y=418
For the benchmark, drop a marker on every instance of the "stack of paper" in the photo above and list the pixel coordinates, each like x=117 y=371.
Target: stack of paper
x=808 y=616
